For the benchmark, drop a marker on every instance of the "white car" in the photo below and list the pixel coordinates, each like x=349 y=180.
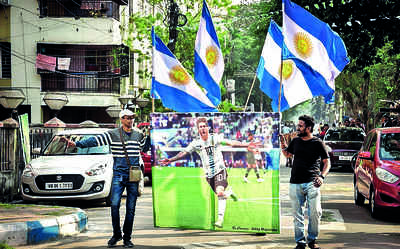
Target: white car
x=62 y=173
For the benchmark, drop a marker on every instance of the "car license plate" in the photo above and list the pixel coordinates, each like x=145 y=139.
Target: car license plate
x=58 y=185
x=345 y=158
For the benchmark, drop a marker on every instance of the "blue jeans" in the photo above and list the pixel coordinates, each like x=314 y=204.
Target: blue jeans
x=119 y=183
x=299 y=195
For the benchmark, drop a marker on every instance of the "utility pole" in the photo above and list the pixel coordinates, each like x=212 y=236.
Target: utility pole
x=131 y=53
x=175 y=19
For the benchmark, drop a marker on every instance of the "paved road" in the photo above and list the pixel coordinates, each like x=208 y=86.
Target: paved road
x=344 y=225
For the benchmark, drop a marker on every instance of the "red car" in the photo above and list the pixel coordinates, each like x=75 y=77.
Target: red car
x=377 y=170
x=146 y=156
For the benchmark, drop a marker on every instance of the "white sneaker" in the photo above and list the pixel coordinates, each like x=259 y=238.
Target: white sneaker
x=260 y=180
x=245 y=179
x=219 y=223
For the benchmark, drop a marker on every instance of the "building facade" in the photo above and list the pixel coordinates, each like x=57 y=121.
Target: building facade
x=74 y=47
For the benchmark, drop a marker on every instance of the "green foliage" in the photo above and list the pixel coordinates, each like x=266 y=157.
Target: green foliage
x=385 y=73
x=366 y=27
x=247 y=30
x=226 y=106
x=5 y=246
x=139 y=30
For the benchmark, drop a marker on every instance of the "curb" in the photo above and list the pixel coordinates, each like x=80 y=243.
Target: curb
x=34 y=232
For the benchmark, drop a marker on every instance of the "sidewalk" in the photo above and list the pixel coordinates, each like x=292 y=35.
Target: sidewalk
x=23 y=224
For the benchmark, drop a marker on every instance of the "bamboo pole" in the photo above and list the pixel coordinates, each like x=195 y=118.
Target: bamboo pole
x=251 y=88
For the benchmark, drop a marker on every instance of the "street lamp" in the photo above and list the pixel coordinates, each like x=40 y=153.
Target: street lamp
x=133 y=100
x=113 y=111
x=55 y=101
x=11 y=99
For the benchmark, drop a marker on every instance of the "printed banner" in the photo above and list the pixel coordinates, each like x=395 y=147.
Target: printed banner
x=24 y=131
x=216 y=171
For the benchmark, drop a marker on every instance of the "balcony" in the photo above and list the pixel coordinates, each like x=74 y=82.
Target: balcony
x=83 y=8
x=80 y=82
x=90 y=68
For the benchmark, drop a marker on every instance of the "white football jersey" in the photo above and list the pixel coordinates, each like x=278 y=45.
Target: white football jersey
x=210 y=153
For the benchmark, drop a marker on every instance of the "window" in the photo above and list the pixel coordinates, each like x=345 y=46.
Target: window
x=5 y=60
x=80 y=8
x=390 y=147
x=372 y=146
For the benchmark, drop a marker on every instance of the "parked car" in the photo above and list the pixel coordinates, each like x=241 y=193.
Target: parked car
x=146 y=156
x=342 y=143
x=377 y=170
x=72 y=173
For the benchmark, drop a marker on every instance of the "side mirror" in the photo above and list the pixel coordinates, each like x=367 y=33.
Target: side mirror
x=365 y=155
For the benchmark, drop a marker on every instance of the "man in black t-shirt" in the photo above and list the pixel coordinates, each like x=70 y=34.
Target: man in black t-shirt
x=305 y=180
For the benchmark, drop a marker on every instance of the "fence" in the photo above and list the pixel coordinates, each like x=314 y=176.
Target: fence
x=39 y=137
x=11 y=158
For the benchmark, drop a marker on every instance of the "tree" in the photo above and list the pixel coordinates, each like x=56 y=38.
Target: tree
x=140 y=24
x=365 y=27
x=248 y=29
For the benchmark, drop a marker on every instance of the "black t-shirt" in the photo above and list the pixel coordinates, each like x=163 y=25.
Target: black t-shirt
x=307 y=158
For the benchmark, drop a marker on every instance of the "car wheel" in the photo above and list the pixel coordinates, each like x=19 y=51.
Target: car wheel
x=372 y=204
x=359 y=199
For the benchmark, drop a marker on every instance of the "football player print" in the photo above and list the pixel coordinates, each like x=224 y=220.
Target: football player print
x=209 y=148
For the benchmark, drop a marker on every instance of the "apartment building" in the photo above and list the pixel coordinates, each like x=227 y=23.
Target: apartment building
x=73 y=47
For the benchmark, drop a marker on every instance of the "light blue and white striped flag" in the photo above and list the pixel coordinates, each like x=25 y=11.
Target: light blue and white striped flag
x=314 y=42
x=299 y=81
x=173 y=85
x=208 y=60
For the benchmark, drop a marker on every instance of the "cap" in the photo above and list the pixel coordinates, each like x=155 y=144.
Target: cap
x=126 y=112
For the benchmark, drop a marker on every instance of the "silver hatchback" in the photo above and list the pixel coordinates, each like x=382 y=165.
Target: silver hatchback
x=65 y=173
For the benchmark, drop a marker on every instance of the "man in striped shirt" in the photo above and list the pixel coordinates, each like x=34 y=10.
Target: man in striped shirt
x=208 y=146
x=135 y=142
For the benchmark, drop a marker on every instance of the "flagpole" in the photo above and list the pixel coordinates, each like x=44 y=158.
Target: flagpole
x=248 y=96
x=280 y=86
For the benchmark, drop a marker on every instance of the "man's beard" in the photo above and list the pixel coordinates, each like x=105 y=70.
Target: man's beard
x=301 y=134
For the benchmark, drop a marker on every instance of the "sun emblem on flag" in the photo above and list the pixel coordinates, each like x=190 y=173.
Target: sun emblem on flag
x=287 y=68
x=178 y=75
x=303 y=45
x=212 y=56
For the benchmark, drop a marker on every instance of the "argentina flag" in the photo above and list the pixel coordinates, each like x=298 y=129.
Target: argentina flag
x=208 y=60
x=299 y=81
x=173 y=85
x=313 y=41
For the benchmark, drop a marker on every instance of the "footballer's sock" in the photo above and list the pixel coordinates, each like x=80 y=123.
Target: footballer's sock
x=257 y=172
x=221 y=207
x=247 y=172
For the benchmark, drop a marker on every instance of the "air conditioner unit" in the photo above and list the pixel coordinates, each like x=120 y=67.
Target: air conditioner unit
x=5 y=2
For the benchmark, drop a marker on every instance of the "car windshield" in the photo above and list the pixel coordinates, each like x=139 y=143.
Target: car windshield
x=390 y=147
x=344 y=135
x=58 y=146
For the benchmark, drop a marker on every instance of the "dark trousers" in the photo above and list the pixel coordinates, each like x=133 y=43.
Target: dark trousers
x=119 y=184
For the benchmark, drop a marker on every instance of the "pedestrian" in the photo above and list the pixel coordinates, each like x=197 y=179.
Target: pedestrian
x=323 y=131
x=135 y=141
x=359 y=124
x=254 y=159
x=306 y=180
x=386 y=121
x=208 y=146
